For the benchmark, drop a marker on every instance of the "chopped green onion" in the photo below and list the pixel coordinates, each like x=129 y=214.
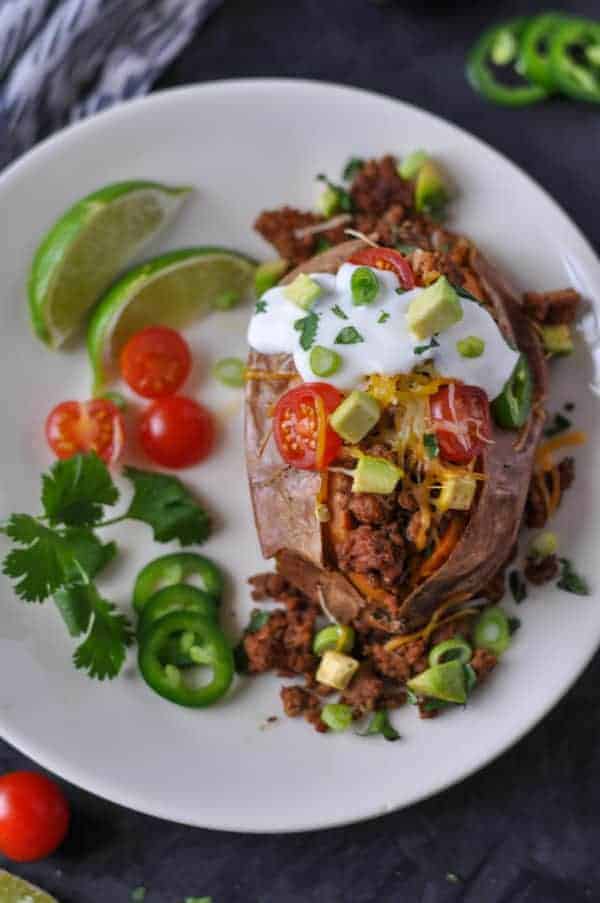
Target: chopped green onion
x=328 y=201
x=226 y=300
x=492 y=631
x=471 y=346
x=411 y=164
x=230 y=371
x=544 y=544
x=337 y=716
x=324 y=361
x=338 y=637
x=364 y=286
x=456 y=647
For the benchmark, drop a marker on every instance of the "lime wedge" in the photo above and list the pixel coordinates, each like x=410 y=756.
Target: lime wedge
x=88 y=246
x=16 y=890
x=172 y=290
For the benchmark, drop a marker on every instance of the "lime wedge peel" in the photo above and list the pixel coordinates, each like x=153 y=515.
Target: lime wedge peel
x=173 y=290
x=16 y=890
x=89 y=245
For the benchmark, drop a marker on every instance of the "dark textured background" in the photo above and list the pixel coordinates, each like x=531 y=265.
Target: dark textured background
x=526 y=829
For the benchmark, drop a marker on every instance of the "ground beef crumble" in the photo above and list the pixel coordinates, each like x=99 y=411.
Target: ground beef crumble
x=552 y=308
x=483 y=663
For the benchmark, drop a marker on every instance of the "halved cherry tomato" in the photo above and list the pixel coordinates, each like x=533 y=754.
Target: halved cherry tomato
x=386 y=259
x=34 y=816
x=155 y=362
x=302 y=432
x=468 y=408
x=177 y=432
x=84 y=426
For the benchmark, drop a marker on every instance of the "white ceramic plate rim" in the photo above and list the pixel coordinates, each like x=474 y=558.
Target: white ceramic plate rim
x=117 y=793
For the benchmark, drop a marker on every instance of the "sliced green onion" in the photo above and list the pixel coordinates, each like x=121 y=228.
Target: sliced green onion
x=226 y=300
x=544 y=544
x=470 y=678
x=471 y=346
x=328 y=201
x=337 y=716
x=230 y=371
x=364 y=286
x=411 y=164
x=492 y=631
x=339 y=637
x=324 y=361
x=456 y=647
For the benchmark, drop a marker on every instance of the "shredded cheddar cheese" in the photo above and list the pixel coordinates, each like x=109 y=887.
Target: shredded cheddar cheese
x=543 y=455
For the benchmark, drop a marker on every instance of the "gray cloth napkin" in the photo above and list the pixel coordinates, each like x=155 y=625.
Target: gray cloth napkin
x=61 y=60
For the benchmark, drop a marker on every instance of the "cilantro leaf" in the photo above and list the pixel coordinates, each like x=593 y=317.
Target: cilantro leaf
x=307 y=327
x=163 y=502
x=102 y=653
x=75 y=490
x=570 y=581
x=90 y=556
x=337 y=310
x=518 y=587
x=41 y=567
x=433 y=343
x=380 y=724
x=352 y=168
x=430 y=442
x=261 y=307
x=258 y=619
x=348 y=336
x=383 y=316
x=557 y=425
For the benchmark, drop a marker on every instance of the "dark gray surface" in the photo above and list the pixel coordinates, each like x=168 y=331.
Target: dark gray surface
x=524 y=830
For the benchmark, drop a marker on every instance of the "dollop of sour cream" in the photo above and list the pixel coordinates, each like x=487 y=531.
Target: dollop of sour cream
x=375 y=338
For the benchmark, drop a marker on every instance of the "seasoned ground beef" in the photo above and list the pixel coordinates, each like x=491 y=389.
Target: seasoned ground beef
x=401 y=664
x=460 y=627
x=541 y=570
x=495 y=588
x=267 y=586
x=377 y=187
x=552 y=308
x=369 y=550
x=364 y=691
x=264 y=646
x=283 y=228
x=283 y=643
x=298 y=701
x=369 y=508
x=483 y=663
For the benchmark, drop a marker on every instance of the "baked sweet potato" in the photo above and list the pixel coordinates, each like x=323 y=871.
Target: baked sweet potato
x=284 y=498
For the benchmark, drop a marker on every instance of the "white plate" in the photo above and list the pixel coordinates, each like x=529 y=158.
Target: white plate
x=248 y=145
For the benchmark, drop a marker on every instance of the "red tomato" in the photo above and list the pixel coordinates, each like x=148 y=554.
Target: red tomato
x=386 y=259
x=155 y=362
x=303 y=435
x=469 y=409
x=177 y=432
x=34 y=816
x=84 y=426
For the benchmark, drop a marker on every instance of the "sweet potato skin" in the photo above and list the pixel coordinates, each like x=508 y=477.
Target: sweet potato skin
x=284 y=498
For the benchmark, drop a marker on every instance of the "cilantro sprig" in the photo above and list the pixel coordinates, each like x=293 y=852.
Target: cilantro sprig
x=58 y=555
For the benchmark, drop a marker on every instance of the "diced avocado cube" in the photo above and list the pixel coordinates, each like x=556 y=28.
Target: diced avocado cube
x=411 y=164
x=431 y=192
x=434 y=309
x=303 y=291
x=328 y=201
x=557 y=339
x=355 y=416
x=446 y=681
x=457 y=493
x=375 y=475
x=336 y=669
x=268 y=274
x=544 y=544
